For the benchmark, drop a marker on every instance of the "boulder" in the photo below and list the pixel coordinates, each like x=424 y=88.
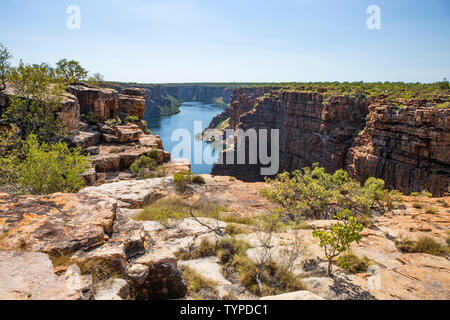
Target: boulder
x=113 y=289
x=30 y=276
x=109 y=162
x=103 y=103
x=132 y=105
x=128 y=133
x=57 y=222
x=86 y=139
x=133 y=194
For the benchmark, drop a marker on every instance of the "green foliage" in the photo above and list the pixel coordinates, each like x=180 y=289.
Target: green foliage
x=338 y=238
x=313 y=193
x=51 y=168
x=96 y=80
x=144 y=167
x=38 y=97
x=5 y=57
x=422 y=193
x=130 y=119
x=353 y=263
x=70 y=71
x=431 y=210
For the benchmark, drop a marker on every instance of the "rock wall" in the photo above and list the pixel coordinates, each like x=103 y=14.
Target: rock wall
x=407 y=147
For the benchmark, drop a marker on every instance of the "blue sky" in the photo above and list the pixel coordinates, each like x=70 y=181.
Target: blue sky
x=158 y=41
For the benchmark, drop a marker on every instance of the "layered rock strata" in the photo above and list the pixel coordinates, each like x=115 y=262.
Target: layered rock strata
x=406 y=146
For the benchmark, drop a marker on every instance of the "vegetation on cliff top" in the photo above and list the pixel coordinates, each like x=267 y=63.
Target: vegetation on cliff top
x=34 y=158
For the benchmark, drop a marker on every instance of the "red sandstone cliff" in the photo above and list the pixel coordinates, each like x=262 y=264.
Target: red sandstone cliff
x=408 y=148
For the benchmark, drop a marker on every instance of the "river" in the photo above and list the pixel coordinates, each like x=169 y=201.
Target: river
x=190 y=112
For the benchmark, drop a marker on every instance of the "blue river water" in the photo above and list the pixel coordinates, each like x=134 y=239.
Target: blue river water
x=191 y=113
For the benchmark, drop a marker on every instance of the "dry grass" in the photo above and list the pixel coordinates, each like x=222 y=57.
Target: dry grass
x=423 y=244
x=199 y=287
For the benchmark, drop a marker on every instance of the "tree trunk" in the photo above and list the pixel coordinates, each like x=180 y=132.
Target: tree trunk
x=330 y=267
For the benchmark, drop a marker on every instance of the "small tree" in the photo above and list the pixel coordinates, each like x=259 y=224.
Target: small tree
x=38 y=97
x=96 y=79
x=5 y=56
x=338 y=238
x=70 y=71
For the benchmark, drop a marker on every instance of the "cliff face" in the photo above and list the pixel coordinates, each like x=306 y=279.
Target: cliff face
x=408 y=147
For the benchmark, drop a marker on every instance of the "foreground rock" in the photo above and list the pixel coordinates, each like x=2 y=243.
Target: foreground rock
x=86 y=230
x=30 y=276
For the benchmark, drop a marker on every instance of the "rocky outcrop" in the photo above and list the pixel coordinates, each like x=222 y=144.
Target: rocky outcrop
x=68 y=115
x=102 y=103
x=311 y=131
x=86 y=229
x=132 y=102
x=407 y=147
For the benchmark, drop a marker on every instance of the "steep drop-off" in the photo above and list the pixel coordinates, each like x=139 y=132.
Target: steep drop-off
x=406 y=146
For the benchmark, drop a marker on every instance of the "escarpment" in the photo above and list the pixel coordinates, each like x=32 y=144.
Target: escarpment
x=406 y=146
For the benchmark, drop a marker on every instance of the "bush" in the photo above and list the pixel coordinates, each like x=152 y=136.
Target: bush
x=130 y=119
x=182 y=181
x=143 y=166
x=338 y=238
x=51 y=168
x=422 y=193
x=353 y=263
x=431 y=210
x=313 y=193
x=38 y=98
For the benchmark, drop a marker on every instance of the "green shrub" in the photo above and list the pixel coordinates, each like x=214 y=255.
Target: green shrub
x=431 y=210
x=353 y=263
x=51 y=168
x=143 y=165
x=313 y=193
x=182 y=180
x=338 y=238
x=130 y=119
x=153 y=154
x=417 y=205
x=422 y=193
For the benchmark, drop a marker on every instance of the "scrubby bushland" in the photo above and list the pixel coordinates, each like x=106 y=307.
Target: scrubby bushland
x=5 y=56
x=47 y=168
x=315 y=194
x=338 y=238
x=147 y=166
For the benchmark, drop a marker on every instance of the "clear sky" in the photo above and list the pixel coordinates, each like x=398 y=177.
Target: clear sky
x=156 y=41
